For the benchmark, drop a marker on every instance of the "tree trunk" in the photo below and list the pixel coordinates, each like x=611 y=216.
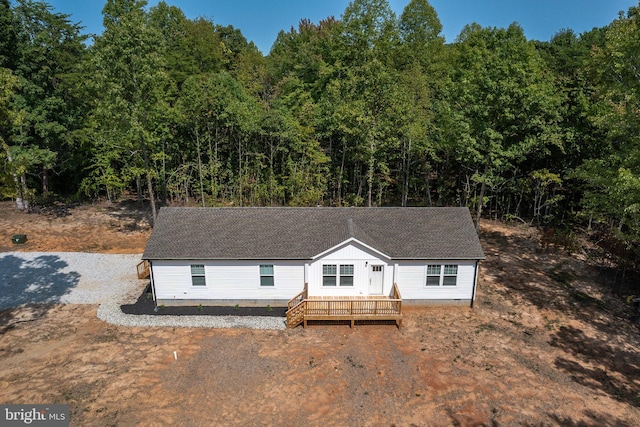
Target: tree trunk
x=139 y=192
x=213 y=163
x=164 y=173
x=406 y=159
x=271 y=173
x=467 y=191
x=344 y=153
x=22 y=203
x=152 y=198
x=200 y=168
x=483 y=189
x=428 y=184
x=45 y=181
x=24 y=191
x=240 y=176
x=371 y=169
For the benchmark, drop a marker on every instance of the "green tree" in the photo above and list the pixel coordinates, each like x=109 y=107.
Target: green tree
x=12 y=179
x=48 y=47
x=369 y=32
x=369 y=85
x=8 y=36
x=417 y=130
x=612 y=195
x=174 y=28
x=133 y=89
x=568 y=56
x=420 y=31
x=297 y=163
x=423 y=75
x=508 y=101
x=222 y=120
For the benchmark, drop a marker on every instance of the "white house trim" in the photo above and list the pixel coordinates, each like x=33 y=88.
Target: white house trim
x=347 y=242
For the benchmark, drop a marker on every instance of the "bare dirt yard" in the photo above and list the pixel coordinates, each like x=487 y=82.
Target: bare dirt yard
x=543 y=346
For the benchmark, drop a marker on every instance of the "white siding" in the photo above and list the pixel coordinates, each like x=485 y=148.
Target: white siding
x=412 y=279
x=240 y=280
x=361 y=258
x=235 y=280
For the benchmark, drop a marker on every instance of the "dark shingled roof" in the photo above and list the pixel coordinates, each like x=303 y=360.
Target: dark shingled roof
x=303 y=233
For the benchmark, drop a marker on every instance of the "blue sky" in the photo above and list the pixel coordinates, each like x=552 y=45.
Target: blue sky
x=261 y=20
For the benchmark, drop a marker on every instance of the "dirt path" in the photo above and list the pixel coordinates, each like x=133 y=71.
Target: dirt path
x=541 y=347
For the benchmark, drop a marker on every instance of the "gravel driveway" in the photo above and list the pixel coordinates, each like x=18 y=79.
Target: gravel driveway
x=105 y=279
x=67 y=278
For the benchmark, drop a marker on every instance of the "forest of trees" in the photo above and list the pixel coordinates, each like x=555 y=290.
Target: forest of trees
x=369 y=109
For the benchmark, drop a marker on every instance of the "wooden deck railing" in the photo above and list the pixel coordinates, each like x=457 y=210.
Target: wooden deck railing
x=298 y=298
x=302 y=308
x=395 y=292
x=143 y=269
x=296 y=308
x=352 y=308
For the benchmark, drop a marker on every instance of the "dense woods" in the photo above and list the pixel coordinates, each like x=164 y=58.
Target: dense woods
x=368 y=109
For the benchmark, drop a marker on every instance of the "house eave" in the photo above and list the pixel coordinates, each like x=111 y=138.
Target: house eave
x=312 y=258
x=345 y=243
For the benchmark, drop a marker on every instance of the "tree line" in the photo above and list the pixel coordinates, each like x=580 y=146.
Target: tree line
x=371 y=109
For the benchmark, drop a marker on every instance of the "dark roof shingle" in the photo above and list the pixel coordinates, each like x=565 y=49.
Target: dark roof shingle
x=302 y=233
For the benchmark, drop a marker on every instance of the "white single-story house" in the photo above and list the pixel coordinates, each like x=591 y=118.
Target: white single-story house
x=267 y=256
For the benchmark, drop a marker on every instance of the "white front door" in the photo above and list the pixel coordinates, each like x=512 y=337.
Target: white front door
x=376 y=276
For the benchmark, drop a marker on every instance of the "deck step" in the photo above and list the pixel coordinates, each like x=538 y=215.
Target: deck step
x=295 y=315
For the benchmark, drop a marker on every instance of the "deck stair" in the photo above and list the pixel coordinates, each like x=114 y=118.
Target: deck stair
x=296 y=309
x=143 y=269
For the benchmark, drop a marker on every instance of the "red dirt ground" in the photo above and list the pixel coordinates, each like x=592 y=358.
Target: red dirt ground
x=544 y=346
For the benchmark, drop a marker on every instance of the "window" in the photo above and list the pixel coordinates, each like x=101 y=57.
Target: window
x=197 y=275
x=450 y=275
x=433 y=275
x=346 y=275
x=266 y=275
x=329 y=275
x=442 y=275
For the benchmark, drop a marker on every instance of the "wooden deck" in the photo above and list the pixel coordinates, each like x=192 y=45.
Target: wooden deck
x=303 y=308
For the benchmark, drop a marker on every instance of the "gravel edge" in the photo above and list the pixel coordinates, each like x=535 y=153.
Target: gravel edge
x=105 y=279
x=110 y=312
